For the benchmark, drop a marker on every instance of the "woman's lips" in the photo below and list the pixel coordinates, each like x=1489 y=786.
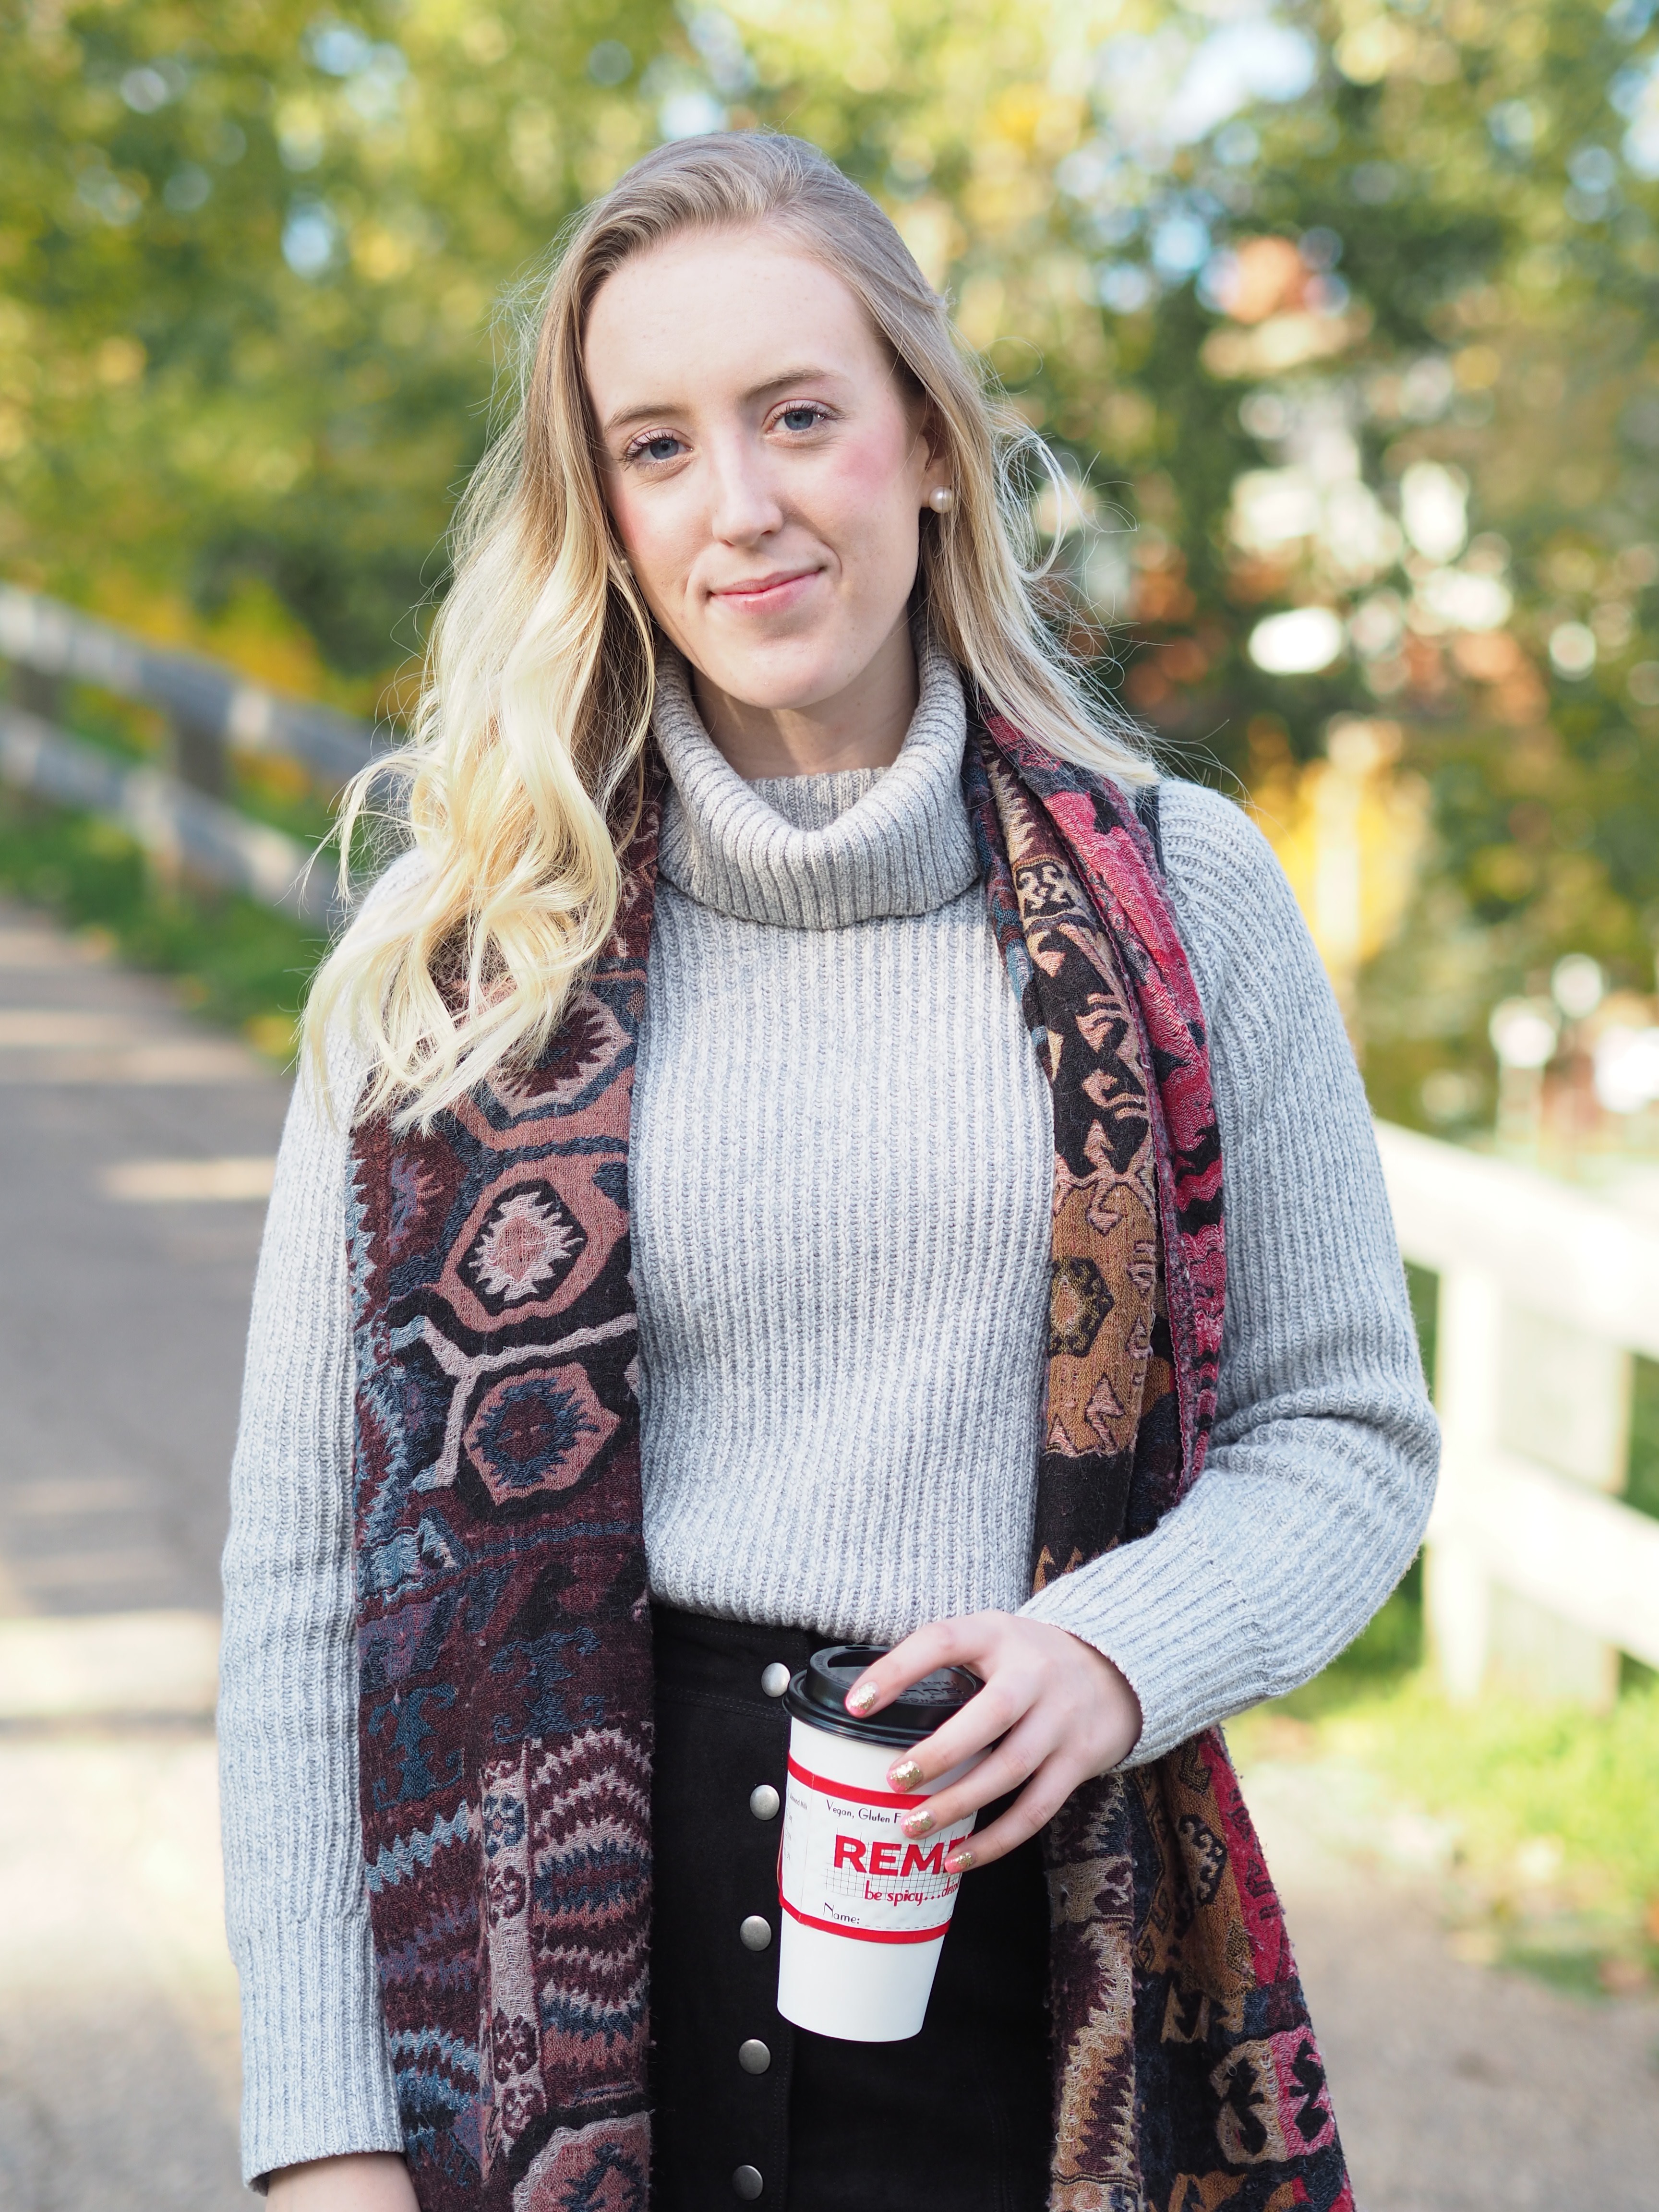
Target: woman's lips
x=766 y=594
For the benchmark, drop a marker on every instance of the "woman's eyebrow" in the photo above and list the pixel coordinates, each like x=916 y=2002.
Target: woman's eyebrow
x=646 y=409
x=806 y=375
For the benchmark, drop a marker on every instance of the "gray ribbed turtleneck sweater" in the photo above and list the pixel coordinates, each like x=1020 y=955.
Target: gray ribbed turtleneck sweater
x=842 y=1158
x=843 y=1152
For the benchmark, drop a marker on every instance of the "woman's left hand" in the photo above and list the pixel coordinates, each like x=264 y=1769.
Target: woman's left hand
x=1064 y=1714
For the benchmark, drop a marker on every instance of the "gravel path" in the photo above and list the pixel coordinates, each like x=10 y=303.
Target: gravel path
x=122 y=1316
x=119 y=2066
x=1457 y=2087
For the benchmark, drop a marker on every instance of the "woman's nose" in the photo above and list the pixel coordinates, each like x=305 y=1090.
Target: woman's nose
x=745 y=506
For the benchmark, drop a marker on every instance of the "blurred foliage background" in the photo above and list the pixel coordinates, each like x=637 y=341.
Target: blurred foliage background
x=1338 y=313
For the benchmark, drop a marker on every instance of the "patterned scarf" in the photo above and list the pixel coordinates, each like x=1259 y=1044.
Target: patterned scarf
x=504 y=1632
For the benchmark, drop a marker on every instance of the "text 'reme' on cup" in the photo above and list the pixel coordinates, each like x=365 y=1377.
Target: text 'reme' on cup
x=865 y=1907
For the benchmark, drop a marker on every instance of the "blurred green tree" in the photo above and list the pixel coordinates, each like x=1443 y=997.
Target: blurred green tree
x=249 y=256
x=1337 y=314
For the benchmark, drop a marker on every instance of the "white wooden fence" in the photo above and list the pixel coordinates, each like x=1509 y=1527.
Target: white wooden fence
x=1536 y=1573
x=181 y=828
x=178 y=813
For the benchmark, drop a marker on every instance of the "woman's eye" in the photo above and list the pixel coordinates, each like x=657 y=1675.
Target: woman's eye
x=801 y=418
x=662 y=448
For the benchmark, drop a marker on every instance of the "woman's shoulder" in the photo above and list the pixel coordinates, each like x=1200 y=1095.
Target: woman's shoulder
x=325 y=1094
x=1236 y=910
x=394 y=879
x=1207 y=836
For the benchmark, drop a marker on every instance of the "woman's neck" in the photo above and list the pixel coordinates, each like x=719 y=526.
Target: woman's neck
x=862 y=726
x=818 y=851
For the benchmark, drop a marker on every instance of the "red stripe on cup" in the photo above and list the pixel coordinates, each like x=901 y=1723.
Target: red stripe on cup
x=847 y=1793
x=867 y=1935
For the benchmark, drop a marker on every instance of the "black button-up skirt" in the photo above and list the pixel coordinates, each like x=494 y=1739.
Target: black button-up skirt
x=958 y=2119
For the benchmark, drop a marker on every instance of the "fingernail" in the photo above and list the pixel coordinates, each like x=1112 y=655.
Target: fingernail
x=860 y=1701
x=916 y=1824
x=904 y=1774
x=958 y=1862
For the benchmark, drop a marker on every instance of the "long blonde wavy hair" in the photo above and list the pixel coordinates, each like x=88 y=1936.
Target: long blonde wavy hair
x=521 y=783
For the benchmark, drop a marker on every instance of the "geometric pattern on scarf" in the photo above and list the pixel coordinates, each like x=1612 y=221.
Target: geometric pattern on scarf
x=1187 y=2073
x=503 y=1638
x=503 y=1629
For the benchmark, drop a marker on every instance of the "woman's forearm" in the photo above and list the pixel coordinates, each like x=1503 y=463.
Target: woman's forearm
x=1322 y=1458
x=316 y=2078
x=367 y=2181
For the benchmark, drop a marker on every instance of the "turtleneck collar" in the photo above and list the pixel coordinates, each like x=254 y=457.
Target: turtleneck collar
x=818 y=852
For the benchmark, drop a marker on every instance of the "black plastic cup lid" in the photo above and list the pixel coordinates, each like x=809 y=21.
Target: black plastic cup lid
x=818 y=1695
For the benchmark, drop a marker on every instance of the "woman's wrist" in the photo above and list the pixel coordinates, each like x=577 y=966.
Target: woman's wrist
x=1053 y=1711
x=361 y=2181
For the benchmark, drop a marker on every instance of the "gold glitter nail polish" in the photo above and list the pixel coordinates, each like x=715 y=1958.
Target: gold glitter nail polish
x=905 y=1775
x=917 y=1824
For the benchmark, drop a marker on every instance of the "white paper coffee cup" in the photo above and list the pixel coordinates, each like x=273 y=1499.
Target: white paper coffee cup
x=865 y=1907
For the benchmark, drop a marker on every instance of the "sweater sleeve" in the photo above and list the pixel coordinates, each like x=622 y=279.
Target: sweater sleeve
x=317 y=2081
x=1323 y=1459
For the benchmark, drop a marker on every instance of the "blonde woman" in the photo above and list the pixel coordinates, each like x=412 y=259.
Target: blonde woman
x=813 y=1143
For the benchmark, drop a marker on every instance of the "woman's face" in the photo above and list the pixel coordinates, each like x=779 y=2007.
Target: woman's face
x=764 y=471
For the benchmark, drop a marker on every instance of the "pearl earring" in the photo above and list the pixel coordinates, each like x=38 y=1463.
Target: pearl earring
x=941 y=499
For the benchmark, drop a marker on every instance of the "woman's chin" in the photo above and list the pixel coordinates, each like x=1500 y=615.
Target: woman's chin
x=785 y=675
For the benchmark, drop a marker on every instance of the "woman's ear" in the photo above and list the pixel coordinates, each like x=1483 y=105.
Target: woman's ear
x=937 y=471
